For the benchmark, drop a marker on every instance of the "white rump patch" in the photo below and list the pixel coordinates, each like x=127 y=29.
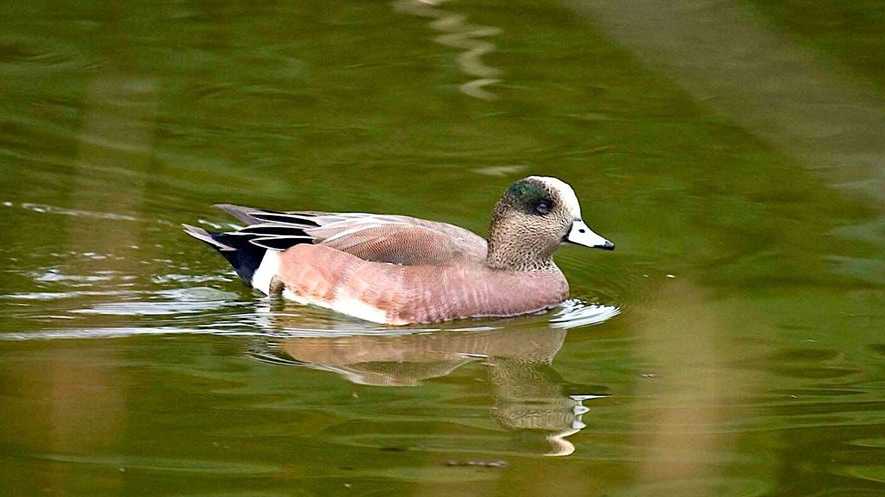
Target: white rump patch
x=566 y=193
x=268 y=268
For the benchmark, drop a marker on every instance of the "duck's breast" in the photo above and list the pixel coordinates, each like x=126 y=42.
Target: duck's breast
x=439 y=294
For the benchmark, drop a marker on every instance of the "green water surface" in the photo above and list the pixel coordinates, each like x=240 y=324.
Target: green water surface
x=732 y=345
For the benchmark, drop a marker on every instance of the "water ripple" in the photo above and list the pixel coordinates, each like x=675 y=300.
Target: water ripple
x=20 y=55
x=574 y=313
x=177 y=301
x=206 y=311
x=50 y=209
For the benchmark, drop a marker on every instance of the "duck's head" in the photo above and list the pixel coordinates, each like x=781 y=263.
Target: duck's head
x=534 y=216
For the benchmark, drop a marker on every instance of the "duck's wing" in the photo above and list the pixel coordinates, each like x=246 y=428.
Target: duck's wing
x=373 y=237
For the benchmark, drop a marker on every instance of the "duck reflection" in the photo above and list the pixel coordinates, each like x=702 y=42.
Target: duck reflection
x=528 y=393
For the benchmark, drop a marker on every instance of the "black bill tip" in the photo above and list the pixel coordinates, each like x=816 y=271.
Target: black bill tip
x=606 y=246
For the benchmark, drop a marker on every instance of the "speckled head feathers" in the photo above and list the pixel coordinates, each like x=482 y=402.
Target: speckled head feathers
x=532 y=218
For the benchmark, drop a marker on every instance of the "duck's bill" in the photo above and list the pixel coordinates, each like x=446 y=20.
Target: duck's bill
x=581 y=234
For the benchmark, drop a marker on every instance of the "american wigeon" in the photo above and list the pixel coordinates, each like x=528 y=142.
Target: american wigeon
x=402 y=270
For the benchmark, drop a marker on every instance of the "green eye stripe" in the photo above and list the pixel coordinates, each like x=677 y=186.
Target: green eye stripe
x=526 y=192
x=527 y=196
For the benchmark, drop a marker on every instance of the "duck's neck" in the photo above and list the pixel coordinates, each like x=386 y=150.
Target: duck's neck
x=516 y=253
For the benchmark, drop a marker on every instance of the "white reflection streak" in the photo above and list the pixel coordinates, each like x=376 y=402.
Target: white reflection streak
x=458 y=34
x=559 y=443
x=51 y=209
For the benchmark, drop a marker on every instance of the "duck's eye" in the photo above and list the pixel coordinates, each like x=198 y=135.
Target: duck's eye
x=543 y=207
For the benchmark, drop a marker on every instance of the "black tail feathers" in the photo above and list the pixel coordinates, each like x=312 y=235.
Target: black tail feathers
x=243 y=255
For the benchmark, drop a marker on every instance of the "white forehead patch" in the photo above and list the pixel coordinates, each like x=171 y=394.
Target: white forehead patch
x=566 y=194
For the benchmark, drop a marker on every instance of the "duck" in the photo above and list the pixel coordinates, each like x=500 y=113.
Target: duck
x=401 y=270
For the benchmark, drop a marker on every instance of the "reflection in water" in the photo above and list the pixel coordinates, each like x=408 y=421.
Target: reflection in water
x=677 y=438
x=84 y=403
x=458 y=34
x=528 y=394
x=116 y=138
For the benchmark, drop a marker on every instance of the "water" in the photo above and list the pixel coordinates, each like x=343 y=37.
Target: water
x=731 y=346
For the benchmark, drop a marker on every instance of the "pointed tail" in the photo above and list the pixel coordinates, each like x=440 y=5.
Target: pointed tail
x=244 y=256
